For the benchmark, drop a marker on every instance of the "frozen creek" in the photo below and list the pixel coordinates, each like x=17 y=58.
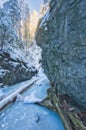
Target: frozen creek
x=25 y=115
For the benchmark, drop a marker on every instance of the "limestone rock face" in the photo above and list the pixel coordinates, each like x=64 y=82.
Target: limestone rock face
x=62 y=36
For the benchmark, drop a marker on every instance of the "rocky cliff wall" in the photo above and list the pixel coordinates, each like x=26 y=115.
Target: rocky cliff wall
x=62 y=36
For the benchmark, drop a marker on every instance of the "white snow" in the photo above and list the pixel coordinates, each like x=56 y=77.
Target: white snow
x=15 y=93
x=32 y=98
x=29 y=99
x=15 y=64
x=1 y=95
x=45 y=29
x=33 y=95
x=1 y=2
x=44 y=19
x=34 y=55
x=3 y=72
x=16 y=53
x=33 y=58
x=37 y=92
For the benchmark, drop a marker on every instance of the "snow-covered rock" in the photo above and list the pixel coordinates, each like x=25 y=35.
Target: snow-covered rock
x=2 y=95
x=34 y=55
x=14 y=70
x=14 y=65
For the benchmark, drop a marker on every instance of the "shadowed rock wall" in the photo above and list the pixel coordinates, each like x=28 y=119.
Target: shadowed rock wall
x=62 y=36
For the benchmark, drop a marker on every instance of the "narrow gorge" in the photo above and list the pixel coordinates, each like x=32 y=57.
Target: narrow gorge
x=43 y=41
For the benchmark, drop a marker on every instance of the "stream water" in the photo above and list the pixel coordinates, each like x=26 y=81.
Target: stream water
x=25 y=115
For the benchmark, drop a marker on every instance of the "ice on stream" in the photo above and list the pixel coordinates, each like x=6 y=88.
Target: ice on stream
x=29 y=99
x=37 y=92
x=24 y=114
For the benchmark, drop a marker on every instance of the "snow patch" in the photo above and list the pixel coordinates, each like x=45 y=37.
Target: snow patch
x=1 y=2
x=44 y=19
x=1 y=95
x=29 y=99
x=3 y=72
x=34 y=56
x=45 y=29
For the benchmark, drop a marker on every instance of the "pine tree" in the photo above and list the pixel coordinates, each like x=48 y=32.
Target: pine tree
x=12 y=9
x=34 y=17
x=25 y=18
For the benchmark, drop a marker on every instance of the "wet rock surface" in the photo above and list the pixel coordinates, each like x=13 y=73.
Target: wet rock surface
x=64 y=47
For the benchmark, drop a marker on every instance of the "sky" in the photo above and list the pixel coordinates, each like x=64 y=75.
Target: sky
x=1 y=2
x=35 y=4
